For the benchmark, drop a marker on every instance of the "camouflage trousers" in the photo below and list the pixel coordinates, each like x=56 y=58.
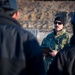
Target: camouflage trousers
x=47 y=62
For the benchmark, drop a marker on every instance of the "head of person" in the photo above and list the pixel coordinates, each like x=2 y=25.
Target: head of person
x=73 y=23
x=9 y=7
x=59 y=23
x=72 y=42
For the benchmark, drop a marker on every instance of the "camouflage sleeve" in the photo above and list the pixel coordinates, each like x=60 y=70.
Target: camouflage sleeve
x=67 y=39
x=46 y=40
x=69 y=36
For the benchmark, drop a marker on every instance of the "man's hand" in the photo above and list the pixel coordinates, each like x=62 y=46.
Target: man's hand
x=44 y=54
x=53 y=53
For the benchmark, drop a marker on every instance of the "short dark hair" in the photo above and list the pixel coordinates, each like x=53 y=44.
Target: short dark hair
x=8 y=12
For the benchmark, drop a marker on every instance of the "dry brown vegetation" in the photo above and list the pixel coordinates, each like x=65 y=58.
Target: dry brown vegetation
x=40 y=14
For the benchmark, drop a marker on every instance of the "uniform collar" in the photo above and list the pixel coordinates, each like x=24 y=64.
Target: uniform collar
x=59 y=33
x=4 y=16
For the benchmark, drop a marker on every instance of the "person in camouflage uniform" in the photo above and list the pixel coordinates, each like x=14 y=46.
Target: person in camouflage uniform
x=56 y=40
x=64 y=62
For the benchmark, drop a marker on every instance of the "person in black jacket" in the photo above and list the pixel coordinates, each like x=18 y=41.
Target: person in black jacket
x=64 y=62
x=20 y=53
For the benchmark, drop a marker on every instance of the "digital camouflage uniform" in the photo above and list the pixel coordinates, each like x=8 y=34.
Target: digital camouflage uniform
x=55 y=42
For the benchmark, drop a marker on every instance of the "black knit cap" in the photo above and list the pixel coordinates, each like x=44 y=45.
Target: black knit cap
x=60 y=18
x=9 y=4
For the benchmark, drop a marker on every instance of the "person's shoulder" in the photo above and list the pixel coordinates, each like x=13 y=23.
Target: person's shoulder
x=67 y=35
x=51 y=34
x=28 y=34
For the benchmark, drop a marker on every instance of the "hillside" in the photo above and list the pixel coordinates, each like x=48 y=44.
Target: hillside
x=40 y=14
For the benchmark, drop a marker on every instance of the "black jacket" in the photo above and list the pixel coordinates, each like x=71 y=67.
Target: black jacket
x=20 y=53
x=64 y=62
